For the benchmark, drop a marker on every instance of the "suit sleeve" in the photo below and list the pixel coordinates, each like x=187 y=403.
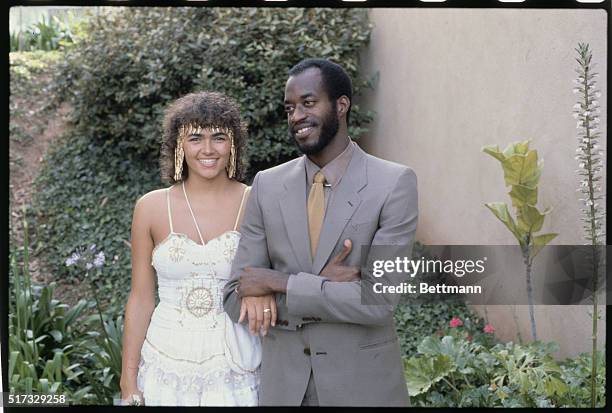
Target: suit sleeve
x=253 y=252
x=314 y=297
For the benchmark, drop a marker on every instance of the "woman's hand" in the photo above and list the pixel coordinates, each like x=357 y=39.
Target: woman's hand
x=261 y=313
x=130 y=395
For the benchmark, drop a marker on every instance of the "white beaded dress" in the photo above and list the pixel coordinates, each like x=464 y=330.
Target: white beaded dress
x=186 y=359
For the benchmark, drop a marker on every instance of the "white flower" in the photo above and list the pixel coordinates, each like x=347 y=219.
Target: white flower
x=89 y=266
x=577 y=106
x=99 y=260
x=598 y=94
x=73 y=259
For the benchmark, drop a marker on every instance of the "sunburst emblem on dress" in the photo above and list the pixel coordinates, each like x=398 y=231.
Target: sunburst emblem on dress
x=199 y=301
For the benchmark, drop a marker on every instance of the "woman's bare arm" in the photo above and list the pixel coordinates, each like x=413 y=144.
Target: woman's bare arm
x=141 y=301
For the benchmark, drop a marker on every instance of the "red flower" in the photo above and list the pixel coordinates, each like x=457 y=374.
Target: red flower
x=469 y=339
x=456 y=322
x=489 y=329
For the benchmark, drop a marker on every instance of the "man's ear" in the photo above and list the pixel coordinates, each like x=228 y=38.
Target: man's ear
x=343 y=103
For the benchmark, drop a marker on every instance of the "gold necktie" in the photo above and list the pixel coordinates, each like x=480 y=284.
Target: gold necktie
x=316 y=211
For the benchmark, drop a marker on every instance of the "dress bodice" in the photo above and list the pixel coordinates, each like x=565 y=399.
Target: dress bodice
x=191 y=276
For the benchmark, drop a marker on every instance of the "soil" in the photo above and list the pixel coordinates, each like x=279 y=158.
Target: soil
x=33 y=130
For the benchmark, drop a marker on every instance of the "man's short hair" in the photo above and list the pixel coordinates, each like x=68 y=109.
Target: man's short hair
x=336 y=82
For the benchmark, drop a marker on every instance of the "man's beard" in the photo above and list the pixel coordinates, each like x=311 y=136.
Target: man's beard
x=329 y=129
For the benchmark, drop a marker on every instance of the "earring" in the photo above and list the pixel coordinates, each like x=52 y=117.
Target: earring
x=179 y=155
x=231 y=165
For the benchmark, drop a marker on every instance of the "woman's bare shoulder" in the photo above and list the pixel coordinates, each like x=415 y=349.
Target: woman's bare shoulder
x=153 y=199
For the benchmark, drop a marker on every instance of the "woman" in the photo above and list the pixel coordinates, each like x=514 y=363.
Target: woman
x=186 y=351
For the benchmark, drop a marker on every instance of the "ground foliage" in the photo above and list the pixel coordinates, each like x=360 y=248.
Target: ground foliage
x=119 y=78
x=456 y=370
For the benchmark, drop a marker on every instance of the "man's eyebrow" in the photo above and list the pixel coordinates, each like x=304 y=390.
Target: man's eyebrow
x=304 y=96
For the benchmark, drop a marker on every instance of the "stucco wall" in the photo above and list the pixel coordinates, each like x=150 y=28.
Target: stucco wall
x=451 y=81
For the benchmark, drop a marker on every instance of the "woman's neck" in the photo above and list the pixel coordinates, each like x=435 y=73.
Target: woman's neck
x=199 y=187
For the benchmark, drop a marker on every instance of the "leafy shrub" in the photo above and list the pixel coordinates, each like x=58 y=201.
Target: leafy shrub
x=414 y=322
x=416 y=317
x=58 y=349
x=451 y=371
x=119 y=79
x=47 y=34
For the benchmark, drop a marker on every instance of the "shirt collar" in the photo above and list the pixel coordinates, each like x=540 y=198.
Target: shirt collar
x=333 y=170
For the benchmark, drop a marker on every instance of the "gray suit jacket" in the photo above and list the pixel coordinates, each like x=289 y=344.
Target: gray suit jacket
x=352 y=348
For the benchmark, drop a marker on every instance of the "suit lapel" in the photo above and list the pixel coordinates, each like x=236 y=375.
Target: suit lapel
x=293 y=208
x=341 y=208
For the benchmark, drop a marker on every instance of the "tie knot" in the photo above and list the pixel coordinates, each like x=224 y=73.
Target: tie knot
x=319 y=178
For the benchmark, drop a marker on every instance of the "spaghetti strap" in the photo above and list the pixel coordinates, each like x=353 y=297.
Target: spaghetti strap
x=244 y=196
x=193 y=216
x=169 y=211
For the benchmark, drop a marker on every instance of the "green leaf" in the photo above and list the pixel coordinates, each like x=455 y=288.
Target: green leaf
x=554 y=386
x=500 y=210
x=423 y=372
x=522 y=195
x=530 y=220
x=521 y=170
x=521 y=148
x=494 y=152
x=57 y=335
x=540 y=241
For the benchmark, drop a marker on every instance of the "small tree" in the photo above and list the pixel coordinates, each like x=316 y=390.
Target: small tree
x=522 y=173
x=590 y=160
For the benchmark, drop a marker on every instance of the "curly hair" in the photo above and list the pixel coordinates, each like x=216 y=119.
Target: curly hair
x=203 y=109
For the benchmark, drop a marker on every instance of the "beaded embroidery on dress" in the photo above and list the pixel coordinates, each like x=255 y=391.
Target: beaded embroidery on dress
x=187 y=357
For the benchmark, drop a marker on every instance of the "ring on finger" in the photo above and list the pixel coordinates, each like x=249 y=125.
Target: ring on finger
x=266 y=310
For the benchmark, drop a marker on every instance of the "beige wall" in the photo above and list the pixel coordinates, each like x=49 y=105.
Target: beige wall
x=454 y=80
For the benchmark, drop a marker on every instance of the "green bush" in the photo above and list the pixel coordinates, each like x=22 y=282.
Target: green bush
x=47 y=34
x=452 y=371
x=420 y=315
x=416 y=321
x=119 y=79
x=59 y=349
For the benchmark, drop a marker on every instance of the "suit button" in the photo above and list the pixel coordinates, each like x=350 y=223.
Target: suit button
x=307 y=351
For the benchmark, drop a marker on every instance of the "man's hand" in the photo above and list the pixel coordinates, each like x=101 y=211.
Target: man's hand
x=335 y=271
x=259 y=320
x=255 y=282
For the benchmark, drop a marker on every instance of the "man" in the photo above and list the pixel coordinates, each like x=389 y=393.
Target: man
x=303 y=229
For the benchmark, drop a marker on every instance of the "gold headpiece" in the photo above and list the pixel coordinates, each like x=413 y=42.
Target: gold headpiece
x=195 y=129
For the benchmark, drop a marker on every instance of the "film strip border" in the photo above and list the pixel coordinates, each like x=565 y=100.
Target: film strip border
x=541 y=4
